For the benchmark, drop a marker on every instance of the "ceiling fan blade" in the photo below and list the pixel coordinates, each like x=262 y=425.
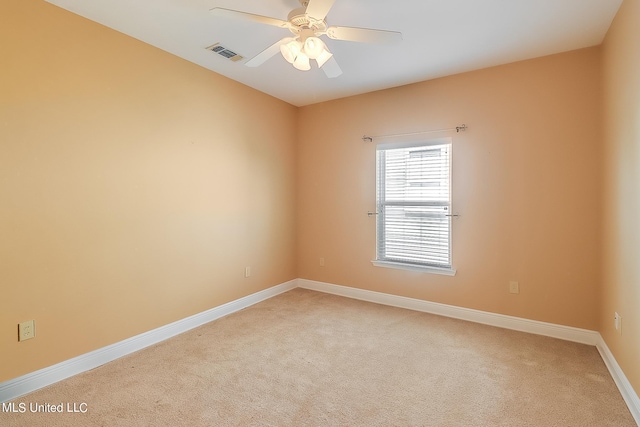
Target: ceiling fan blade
x=318 y=9
x=365 y=35
x=266 y=54
x=236 y=14
x=331 y=68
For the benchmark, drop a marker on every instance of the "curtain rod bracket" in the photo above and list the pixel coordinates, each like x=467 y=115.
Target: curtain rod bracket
x=367 y=139
x=461 y=128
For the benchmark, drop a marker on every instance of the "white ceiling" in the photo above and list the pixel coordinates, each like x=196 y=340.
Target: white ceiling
x=440 y=37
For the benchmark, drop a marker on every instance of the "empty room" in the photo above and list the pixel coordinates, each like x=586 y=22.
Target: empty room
x=323 y=212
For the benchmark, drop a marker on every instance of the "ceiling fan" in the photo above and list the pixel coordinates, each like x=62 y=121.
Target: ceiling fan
x=307 y=24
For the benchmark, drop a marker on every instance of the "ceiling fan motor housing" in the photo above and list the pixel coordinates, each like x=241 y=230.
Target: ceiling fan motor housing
x=300 y=21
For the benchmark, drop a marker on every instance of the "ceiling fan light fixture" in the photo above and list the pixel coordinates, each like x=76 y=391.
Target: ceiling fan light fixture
x=302 y=62
x=323 y=57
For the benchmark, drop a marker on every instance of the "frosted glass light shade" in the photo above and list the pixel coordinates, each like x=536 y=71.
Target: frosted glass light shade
x=313 y=47
x=290 y=50
x=302 y=62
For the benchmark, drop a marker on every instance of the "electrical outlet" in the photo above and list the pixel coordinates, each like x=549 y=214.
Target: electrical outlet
x=618 y=323
x=514 y=287
x=247 y=272
x=321 y=262
x=26 y=330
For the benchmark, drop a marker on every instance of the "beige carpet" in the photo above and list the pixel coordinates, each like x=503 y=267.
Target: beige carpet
x=307 y=358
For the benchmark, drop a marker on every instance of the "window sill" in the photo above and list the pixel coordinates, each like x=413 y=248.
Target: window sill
x=400 y=266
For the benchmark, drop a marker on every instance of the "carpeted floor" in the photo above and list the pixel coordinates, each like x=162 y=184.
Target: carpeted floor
x=307 y=358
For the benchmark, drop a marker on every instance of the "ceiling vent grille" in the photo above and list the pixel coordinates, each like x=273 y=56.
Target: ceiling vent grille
x=223 y=51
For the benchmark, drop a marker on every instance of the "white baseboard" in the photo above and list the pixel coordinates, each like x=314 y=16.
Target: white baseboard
x=566 y=333
x=35 y=380
x=628 y=393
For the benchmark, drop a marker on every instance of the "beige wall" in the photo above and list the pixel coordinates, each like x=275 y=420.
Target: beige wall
x=526 y=183
x=621 y=281
x=134 y=187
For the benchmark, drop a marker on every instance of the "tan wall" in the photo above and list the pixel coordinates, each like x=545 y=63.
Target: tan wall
x=621 y=278
x=134 y=187
x=526 y=182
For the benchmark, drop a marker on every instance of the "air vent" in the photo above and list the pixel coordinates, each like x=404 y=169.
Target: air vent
x=223 y=51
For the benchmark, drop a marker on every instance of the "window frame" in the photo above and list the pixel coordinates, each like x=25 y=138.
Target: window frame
x=388 y=262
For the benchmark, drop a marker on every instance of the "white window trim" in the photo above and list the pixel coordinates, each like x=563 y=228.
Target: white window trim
x=410 y=267
x=411 y=144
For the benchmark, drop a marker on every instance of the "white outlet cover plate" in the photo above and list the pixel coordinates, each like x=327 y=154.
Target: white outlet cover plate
x=26 y=330
x=514 y=287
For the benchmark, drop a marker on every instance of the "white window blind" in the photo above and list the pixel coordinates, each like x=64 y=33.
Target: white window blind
x=414 y=204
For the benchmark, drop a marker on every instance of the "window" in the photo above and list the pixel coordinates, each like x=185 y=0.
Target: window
x=414 y=206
